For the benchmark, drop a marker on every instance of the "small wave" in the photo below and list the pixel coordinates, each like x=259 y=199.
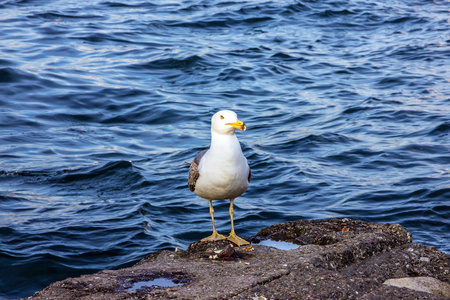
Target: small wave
x=148 y=114
x=296 y=8
x=52 y=16
x=116 y=4
x=308 y=143
x=220 y=22
x=391 y=82
x=235 y=74
x=328 y=13
x=6 y=63
x=113 y=177
x=406 y=19
x=170 y=63
x=16 y=121
x=415 y=148
x=442 y=129
x=13 y=75
x=29 y=176
x=442 y=193
x=353 y=157
x=99 y=38
x=356 y=109
x=289 y=57
x=328 y=138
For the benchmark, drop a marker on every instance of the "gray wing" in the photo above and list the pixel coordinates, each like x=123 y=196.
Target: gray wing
x=193 y=171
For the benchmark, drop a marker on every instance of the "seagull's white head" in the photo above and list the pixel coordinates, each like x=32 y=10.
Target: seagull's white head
x=226 y=122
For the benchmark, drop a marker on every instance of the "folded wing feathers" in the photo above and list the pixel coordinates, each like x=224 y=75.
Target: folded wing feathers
x=193 y=171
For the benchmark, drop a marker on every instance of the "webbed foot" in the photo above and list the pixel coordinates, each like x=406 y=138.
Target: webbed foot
x=237 y=240
x=213 y=237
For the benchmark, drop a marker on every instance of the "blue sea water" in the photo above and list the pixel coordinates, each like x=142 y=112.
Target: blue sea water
x=103 y=104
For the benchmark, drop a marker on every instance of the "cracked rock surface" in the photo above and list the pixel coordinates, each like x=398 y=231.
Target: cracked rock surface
x=335 y=259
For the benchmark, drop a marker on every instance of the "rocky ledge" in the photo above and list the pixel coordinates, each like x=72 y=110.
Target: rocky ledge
x=335 y=259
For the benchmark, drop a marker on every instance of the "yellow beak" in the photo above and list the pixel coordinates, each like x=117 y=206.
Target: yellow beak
x=238 y=125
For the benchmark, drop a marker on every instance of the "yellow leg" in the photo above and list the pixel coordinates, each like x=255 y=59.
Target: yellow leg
x=233 y=237
x=214 y=236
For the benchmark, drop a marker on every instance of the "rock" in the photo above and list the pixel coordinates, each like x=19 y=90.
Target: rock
x=422 y=284
x=226 y=253
x=338 y=258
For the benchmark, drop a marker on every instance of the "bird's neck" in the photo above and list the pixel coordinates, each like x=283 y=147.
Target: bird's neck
x=227 y=145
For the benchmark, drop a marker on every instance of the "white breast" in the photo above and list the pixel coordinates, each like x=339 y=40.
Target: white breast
x=223 y=172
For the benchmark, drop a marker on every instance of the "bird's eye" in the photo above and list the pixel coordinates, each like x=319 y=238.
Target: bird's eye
x=221 y=117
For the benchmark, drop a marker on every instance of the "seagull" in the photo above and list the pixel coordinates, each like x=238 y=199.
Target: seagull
x=222 y=171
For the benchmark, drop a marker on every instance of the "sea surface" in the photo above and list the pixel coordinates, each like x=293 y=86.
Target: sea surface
x=103 y=105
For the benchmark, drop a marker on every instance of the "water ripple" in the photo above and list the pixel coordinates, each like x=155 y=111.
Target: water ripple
x=104 y=104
